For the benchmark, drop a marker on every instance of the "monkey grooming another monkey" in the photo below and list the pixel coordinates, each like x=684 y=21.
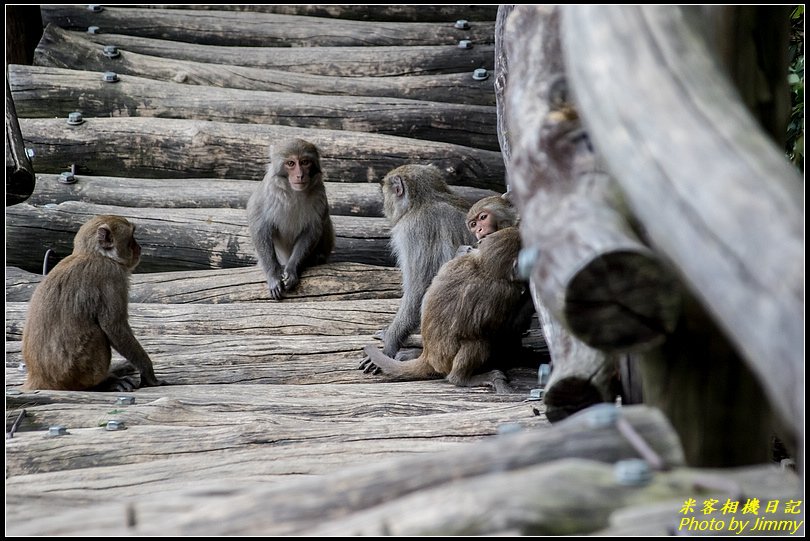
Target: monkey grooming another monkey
x=428 y=226
x=80 y=310
x=288 y=215
x=467 y=311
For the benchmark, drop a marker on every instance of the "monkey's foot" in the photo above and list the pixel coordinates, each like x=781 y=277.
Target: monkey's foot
x=116 y=384
x=407 y=354
x=368 y=366
x=495 y=379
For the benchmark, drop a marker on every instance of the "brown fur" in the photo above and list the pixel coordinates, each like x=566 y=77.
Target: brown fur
x=491 y=214
x=466 y=310
x=80 y=310
x=289 y=222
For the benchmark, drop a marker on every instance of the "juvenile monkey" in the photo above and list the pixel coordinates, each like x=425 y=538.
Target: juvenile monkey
x=467 y=309
x=288 y=215
x=427 y=227
x=491 y=214
x=80 y=309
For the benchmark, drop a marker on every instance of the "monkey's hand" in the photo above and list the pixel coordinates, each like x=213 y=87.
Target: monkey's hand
x=290 y=279
x=274 y=287
x=150 y=380
x=368 y=367
x=379 y=335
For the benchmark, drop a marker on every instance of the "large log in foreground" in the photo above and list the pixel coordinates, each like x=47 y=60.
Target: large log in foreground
x=326 y=61
x=41 y=92
x=345 y=198
x=165 y=148
x=364 y=12
x=61 y=49
x=592 y=273
x=175 y=239
x=724 y=204
x=261 y=29
x=20 y=179
x=332 y=281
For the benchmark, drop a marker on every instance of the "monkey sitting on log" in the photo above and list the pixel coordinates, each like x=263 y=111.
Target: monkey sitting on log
x=467 y=311
x=428 y=226
x=81 y=309
x=288 y=216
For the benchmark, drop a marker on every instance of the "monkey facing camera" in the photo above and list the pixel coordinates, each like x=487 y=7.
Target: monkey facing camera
x=80 y=309
x=288 y=216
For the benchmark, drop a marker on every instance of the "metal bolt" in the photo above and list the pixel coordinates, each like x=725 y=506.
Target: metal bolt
x=22 y=367
x=462 y=24
x=116 y=425
x=95 y=8
x=75 y=118
x=125 y=400
x=30 y=153
x=93 y=29
x=67 y=178
x=633 y=472
x=111 y=51
x=601 y=415
x=57 y=430
x=527 y=259
x=536 y=394
x=480 y=74
x=110 y=77
x=465 y=44
x=509 y=428
x=543 y=373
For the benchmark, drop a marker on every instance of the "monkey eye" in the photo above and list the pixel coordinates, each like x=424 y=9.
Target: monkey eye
x=304 y=162
x=290 y=163
x=472 y=224
x=482 y=217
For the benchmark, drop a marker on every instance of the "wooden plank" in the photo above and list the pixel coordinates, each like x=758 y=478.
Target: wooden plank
x=592 y=272
x=345 y=198
x=20 y=179
x=327 y=61
x=364 y=12
x=332 y=281
x=41 y=92
x=61 y=49
x=176 y=239
x=261 y=29
x=737 y=240
x=174 y=148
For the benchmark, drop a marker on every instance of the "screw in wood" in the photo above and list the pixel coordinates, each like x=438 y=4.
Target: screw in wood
x=465 y=44
x=527 y=259
x=632 y=472
x=67 y=178
x=111 y=51
x=93 y=29
x=110 y=77
x=480 y=74
x=75 y=118
x=57 y=430
x=462 y=24
x=125 y=400
x=95 y=8
x=601 y=415
x=115 y=425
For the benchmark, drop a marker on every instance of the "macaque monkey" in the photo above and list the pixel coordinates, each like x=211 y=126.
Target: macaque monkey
x=80 y=309
x=288 y=215
x=467 y=311
x=427 y=227
x=491 y=214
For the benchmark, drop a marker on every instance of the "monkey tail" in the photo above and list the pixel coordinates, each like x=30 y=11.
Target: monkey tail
x=415 y=369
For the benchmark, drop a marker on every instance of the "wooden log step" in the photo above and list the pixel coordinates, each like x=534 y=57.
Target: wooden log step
x=332 y=281
x=326 y=61
x=345 y=198
x=176 y=239
x=261 y=29
x=61 y=49
x=364 y=12
x=41 y=92
x=165 y=148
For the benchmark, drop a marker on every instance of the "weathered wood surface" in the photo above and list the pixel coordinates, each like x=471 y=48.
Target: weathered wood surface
x=592 y=272
x=41 y=92
x=261 y=29
x=20 y=178
x=176 y=239
x=175 y=148
x=726 y=209
x=364 y=12
x=345 y=198
x=325 y=61
x=332 y=281
x=341 y=492
x=61 y=49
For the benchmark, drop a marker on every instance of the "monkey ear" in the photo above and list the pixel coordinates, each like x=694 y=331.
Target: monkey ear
x=398 y=185
x=105 y=237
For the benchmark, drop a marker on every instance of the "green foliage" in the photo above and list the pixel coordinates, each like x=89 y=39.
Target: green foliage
x=795 y=132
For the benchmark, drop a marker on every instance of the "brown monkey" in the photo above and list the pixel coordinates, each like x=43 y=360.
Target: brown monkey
x=466 y=311
x=80 y=310
x=427 y=227
x=491 y=214
x=288 y=215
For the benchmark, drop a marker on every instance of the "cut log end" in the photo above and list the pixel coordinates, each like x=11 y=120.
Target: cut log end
x=569 y=396
x=623 y=301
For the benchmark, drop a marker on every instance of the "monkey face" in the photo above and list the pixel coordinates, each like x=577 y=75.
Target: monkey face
x=482 y=224
x=298 y=172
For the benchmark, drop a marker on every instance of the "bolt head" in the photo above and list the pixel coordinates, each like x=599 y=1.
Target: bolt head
x=480 y=74
x=462 y=24
x=115 y=425
x=57 y=430
x=601 y=415
x=111 y=51
x=75 y=118
x=536 y=394
x=543 y=373
x=125 y=400
x=527 y=259
x=632 y=472
x=93 y=29
x=465 y=44
x=30 y=153
x=95 y=8
x=67 y=178
x=110 y=77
